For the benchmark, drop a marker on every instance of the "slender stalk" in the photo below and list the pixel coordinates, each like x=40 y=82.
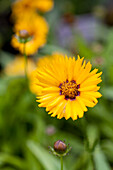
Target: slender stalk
x=92 y=161
x=61 y=160
x=25 y=57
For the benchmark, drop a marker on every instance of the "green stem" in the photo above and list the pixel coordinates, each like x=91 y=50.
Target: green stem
x=92 y=161
x=61 y=160
x=25 y=57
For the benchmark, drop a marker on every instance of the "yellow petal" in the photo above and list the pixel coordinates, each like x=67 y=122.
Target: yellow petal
x=88 y=88
x=56 y=101
x=51 y=89
x=68 y=110
x=87 y=102
x=77 y=110
x=74 y=113
x=46 y=97
x=92 y=93
x=59 y=109
x=46 y=78
x=93 y=72
x=81 y=103
x=90 y=82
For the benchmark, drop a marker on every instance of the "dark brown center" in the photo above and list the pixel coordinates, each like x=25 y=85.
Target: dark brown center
x=69 y=89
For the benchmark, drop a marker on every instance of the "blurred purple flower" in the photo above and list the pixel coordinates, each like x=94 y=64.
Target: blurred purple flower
x=85 y=25
x=50 y=130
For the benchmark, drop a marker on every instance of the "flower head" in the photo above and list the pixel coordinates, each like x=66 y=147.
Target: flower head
x=66 y=86
x=17 y=66
x=37 y=30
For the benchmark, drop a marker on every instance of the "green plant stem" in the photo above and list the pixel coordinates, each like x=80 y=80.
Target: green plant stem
x=25 y=57
x=61 y=159
x=92 y=160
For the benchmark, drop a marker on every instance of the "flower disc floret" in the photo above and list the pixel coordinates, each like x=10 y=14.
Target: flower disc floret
x=69 y=89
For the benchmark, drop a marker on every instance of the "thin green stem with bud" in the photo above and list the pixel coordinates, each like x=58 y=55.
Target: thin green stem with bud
x=60 y=149
x=61 y=160
x=25 y=57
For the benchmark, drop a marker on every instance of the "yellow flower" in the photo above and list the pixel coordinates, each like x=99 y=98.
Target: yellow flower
x=17 y=67
x=66 y=86
x=22 y=7
x=36 y=27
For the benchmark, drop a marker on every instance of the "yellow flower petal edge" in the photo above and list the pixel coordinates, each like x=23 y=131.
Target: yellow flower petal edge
x=65 y=86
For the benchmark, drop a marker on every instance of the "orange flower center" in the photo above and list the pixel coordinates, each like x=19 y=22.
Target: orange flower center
x=69 y=89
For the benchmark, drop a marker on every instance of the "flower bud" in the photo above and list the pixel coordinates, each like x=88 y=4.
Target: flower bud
x=60 y=146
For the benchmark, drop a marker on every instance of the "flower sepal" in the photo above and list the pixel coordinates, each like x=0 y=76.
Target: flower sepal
x=23 y=40
x=23 y=36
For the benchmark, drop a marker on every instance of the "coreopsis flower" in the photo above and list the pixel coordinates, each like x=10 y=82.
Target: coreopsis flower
x=22 y=7
x=65 y=86
x=16 y=67
x=37 y=29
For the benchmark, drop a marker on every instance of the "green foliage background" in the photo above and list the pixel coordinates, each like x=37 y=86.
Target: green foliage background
x=24 y=136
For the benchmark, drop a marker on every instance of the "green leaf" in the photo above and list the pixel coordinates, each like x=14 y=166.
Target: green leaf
x=108 y=92
x=82 y=162
x=92 y=137
x=100 y=160
x=32 y=162
x=13 y=160
x=107 y=147
x=108 y=50
x=83 y=47
x=8 y=168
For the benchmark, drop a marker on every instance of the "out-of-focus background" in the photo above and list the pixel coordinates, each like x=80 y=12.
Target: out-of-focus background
x=26 y=131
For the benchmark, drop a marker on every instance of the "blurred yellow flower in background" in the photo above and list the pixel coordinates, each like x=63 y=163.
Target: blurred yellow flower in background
x=66 y=86
x=22 y=7
x=37 y=28
x=17 y=67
